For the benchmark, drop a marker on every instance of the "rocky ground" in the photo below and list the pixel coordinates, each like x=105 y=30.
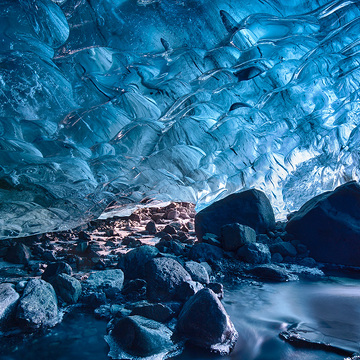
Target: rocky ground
x=157 y=275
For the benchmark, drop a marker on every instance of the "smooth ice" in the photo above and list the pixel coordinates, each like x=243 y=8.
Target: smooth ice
x=126 y=102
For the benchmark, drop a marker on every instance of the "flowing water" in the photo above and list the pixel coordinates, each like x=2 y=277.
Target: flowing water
x=330 y=309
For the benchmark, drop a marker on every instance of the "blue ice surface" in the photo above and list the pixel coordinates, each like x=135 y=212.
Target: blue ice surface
x=133 y=102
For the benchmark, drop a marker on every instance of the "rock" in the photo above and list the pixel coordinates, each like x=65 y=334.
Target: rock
x=283 y=248
x=188 y=289
x=151 y=227
x=55 y=269
x=328 y=225
x=255 y=253
x=38 y=305
x=271 y=273
x=205 y=252
x=211 y=239
x=8 y=300
x=277 y=258
x=18 y=254
x=135 y=287
x=106 y=279
x=158 y=312
x=205 y=323
x=169 y=229
x=309 y=262
x=170 y=246
x=233 y=236
x=197 y=272
x=217 y=288
x=164 y=278
x=133 y=262
x=68 y=288
x=136 y=336
x=251 y=208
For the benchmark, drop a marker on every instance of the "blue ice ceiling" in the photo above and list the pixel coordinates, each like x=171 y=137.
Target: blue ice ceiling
x=127 y=101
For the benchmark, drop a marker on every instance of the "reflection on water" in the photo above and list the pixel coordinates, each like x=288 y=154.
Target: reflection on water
x=259 y=311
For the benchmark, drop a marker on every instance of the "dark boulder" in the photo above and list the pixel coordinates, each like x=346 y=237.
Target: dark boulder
x=158 y=312
x=235 y=235
x=136 y=337
x=68 y=288
x=255 y=253
x=205 y=323
x=329 y=225
x=55 y=269
x=18 y=254
x=205 y=252
x=283 y=248
x=250 y=207
x=271 y=273
x=133 y=262
x=164 y=278
x=8 y=300
x=38 y=305
x=151 y=227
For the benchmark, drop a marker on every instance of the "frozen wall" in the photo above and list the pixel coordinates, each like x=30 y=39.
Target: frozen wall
x=127 y=101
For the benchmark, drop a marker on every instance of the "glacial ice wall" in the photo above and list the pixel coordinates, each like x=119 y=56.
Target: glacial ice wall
x=126 y=102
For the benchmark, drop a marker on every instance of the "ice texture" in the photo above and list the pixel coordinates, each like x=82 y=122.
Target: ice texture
x=127 y=102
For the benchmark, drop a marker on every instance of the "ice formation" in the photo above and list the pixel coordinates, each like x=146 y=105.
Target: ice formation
x=128 y=101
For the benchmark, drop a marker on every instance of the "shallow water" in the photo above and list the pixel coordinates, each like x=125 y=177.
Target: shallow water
x=259 y=311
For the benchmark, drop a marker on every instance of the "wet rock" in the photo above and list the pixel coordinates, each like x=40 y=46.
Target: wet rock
x=255 y=253
x=308 y=261
x=233 y=236
x=151 y=227
x=283 y=248
x=188 y=289
x=68 y=288
x=164 y=278
x=106 y=279
x=271 y=273
x=18 y=254
x=251 y=208
x=133 y=262
x=158 y=312
x=306 y=337
x=52 y=270
x=8 y=300
x=205 y=323
x=205 y=252
x=38 y=305
x=136 y=336
x=329 y=225
x=217 y=288
x=277 y=258
x=135 y=288
x=197 y=272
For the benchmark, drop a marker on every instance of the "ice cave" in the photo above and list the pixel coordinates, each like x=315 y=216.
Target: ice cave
x=203 y=124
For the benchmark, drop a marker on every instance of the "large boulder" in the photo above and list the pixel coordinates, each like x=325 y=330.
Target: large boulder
x=136 y=337
x=255 y=253
x=205 y=252
x=133 y=263
x=233 y=236
x=197 y=272
x=8 y=301
x=164 y=278
x=38 y=305
x=18 y=254
x=203 y=321
x=329 y=225
x=68 y=288
x=54 y=269
x=250 y=207
x=106 y=279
